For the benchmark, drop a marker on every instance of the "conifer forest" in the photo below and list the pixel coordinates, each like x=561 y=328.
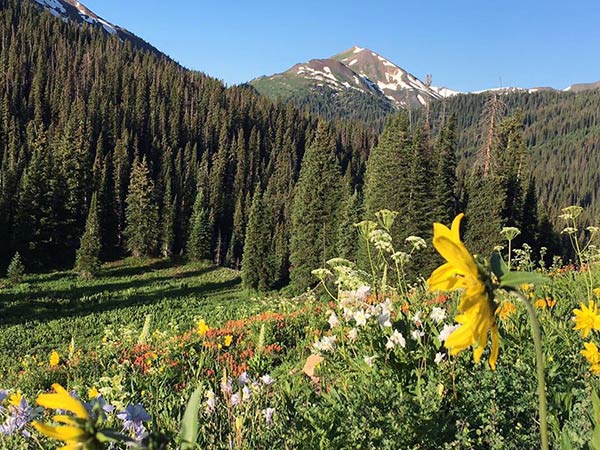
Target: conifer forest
x=187 y=264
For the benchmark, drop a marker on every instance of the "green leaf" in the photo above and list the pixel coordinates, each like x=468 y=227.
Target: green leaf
x=113 y=436
x=498 y=265
x=565 y=441
x=596 y=406
x=189 y=423
x=596 y=438
x=514 y=280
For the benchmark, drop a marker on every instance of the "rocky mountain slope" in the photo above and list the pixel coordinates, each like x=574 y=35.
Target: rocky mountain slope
x=78 y=12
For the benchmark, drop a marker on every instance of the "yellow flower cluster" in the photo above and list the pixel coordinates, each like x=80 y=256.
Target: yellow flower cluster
x=54 y=358
x=593 y=356
x=543 y=303
x=202 y=328
x=586 y=318
x=476 y=306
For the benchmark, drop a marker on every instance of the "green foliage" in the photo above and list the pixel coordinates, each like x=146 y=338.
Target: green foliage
x=258 y=266
x=315 y=207
x=142 y=212
x=200 y=239
x=16 y=269
x=88 y=255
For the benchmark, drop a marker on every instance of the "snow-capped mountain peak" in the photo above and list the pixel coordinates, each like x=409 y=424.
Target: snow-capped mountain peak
x=356 y=69
x=75 y=11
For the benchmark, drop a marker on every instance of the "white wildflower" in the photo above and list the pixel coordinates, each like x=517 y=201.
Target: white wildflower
x=360 y=317
x=446 y=331
x=437 y=314
x=417 y=319
x=333 y=320
x=326 y=344
x=395 y=339
x=384 y=319
x=370 y=360
x=352 y=334
x=417 y=334
x=417 y=242
x=439 y=357
x=382 y=241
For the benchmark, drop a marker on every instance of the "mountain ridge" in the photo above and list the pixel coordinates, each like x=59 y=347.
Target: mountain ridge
x=76 y=11
x=358 y=69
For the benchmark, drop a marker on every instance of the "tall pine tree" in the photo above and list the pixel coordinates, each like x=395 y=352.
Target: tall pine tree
x=200 y=239
x=87 y=262
x=142 y=211
x=315 y=207
x=258 y=268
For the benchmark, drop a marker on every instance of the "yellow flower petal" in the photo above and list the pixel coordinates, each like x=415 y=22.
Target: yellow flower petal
x=495 y=347
x=68 y=420
x=445 y=278
x=455 y=228
x=62 y=433
x=62 y=400
x=452 y=250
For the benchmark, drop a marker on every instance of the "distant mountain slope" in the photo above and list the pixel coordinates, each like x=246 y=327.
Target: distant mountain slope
x=580 y=87
x=562 y=132
x=359 y=80
x=79 y=13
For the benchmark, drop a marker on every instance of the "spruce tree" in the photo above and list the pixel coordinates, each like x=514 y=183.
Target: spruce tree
x=199 y=241
x=88 y=255
x=444 y=173
x=484 y=219
x=314 y=212
x=258 y=270
x=16 y=269
x=142 y=211
x=386 y=183
x=167 y=235
x=347 y=243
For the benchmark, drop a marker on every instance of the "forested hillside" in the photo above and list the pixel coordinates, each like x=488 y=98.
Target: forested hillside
x=562 y=135
x=80 y=111
x=114 y=150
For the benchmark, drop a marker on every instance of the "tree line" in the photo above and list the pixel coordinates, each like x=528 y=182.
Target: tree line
x=108 y=150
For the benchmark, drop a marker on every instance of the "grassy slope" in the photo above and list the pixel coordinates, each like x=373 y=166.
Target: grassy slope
x=46 y=311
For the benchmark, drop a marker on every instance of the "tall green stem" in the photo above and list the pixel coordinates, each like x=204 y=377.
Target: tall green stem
x=372 y=267
x=539 y=360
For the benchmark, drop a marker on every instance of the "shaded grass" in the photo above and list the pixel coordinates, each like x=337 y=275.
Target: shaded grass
x=46 y=311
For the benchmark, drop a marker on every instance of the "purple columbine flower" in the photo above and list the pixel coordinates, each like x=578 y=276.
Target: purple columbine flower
x=268 y=414
x=227 y=387
x=19 y=417
x=132 y=418
x=100 y=401
x=211 y=402
x=243 y=379
x=3 y=395
x=235 y=399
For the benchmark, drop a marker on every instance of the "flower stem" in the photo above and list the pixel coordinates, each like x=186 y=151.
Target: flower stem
x=539 y=359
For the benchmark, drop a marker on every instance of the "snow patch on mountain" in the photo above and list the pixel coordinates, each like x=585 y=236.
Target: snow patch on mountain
x=444 y=91
x=54 y=6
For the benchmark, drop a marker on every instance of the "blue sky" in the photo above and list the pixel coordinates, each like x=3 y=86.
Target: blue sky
x=465 y=45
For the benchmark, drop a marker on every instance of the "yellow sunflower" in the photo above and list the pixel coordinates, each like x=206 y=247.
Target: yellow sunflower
x=476 y=305
x=73 y=432
x=587 y=319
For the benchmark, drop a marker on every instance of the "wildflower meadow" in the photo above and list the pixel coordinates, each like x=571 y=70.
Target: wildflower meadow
x=483 y=353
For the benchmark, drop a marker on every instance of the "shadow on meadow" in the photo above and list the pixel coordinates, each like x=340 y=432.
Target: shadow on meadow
x=71 y=301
